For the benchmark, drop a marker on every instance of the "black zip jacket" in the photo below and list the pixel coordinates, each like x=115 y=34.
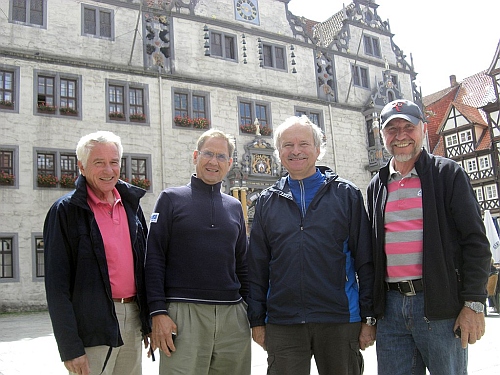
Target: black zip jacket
x=315 y=268
x=76 y=273
x=456 y=251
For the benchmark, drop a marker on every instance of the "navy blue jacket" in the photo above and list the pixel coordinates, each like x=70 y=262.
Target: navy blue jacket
x=76 y=273
x=197 y=248
x=305 y=269
x=456 y=251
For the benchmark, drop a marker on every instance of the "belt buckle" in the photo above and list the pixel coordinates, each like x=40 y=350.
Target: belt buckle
x=122 y=300
x=412 y=288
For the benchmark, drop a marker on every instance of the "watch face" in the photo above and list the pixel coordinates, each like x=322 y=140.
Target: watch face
x=247 y=10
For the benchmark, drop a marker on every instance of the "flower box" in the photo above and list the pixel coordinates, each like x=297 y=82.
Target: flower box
x=116 y=116
x=141 y=182
x=6 y=104
x=266 y=130
x=45 y=108
x=137 y=117
x=7 y=179
x=248 y=128
x=68 y=111
x=47 y=180
x=67 y=181
x=184 y=122
x=201 y=123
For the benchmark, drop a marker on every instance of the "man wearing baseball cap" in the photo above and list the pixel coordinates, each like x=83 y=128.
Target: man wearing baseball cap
x=431 y=253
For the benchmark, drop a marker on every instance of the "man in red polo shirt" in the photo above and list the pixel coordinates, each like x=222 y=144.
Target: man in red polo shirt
x=95 y=241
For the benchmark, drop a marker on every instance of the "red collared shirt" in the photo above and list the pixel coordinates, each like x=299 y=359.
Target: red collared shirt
x=113 y=225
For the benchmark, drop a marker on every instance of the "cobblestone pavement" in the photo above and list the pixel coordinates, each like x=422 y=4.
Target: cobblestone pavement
x=27 y=346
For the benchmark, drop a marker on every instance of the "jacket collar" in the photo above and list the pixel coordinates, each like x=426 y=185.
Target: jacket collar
x=282 y=184
x=198 y=184
x=128 y=193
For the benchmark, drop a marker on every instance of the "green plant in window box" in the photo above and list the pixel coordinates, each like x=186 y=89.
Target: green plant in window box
x=248 y=128
x=6 y=104
x=201 y=123
x=116 y=115
x=266 y=130
x=68 y=111
x=141 y=182
x=6 y=178
x=67 y=181
x=42 y=107
x=137 y=117
x=47 y=180
x=185 y=122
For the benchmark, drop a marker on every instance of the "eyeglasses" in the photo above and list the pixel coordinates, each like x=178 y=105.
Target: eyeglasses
x=222 y=158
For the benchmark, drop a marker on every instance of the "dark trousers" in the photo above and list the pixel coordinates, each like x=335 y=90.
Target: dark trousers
x=335 y=348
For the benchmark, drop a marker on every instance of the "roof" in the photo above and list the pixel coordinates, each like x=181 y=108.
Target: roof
x=468 y=97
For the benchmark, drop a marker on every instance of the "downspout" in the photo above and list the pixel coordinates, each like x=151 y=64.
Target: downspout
x=162 y=129
x=135 y=34
x=333 y=139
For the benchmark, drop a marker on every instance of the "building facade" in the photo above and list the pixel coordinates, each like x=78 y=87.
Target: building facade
x=463 y=126
x=158 y=73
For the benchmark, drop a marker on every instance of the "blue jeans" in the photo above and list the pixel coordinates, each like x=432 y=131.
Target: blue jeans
x=407 y=342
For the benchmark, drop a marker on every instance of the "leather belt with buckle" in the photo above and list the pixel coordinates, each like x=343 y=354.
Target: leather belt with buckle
x=124 y=300
x=408 y=288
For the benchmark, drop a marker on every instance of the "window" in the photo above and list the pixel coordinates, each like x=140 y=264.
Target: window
x=39 y=263
x=97 y=22
x=451 y=140
x=136 y=170
x=314 y=115
x=191 y=109
x=8 y=167
x=29 y=12
x=360 y=76
x=56 y=169
x=484 y=162
x=471 y=165
x=127 y=102
x=249 y=111
x=58 y=94
x=222 y=45
x=372 y=46
x=491 y=192
x=6 y=256
x=465 y=136
x=479 y=194
x=274 y=56
x=8 y=87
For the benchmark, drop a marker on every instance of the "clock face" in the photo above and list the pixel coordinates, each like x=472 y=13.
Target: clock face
x=247 y=10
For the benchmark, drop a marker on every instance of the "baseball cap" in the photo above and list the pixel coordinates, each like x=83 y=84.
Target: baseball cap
x=401 y=108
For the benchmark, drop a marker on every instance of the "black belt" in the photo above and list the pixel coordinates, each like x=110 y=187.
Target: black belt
x=408 y=288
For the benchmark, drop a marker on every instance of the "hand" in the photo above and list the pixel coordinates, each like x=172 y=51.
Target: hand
x=367 y=336
x=79 y=365
x=259 y=336
x=471 y=325
x=161 y=336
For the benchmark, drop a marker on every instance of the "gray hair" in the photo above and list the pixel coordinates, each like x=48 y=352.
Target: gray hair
x=214 y=133
x=87 y=142
x=318 y=135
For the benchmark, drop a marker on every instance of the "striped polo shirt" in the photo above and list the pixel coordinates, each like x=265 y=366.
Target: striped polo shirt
x=403 y=227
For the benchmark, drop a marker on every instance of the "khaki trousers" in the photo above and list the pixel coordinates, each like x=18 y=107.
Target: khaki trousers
x=126 y=359
x=211 y=340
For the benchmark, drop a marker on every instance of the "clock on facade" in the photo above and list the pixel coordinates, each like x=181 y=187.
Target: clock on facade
x=247 y=10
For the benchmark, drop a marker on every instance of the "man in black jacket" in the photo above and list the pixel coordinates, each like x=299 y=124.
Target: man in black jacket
x=431 y=253
x=95 y=239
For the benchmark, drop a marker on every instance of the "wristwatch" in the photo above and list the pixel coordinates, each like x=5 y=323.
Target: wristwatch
x=477 y=307
x=370 y=321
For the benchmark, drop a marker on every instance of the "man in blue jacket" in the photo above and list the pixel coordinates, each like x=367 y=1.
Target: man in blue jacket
x=310 y=263
x=431 y=253
x=95 y=239
x=196 y=270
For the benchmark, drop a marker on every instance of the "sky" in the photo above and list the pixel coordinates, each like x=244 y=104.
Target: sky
x=444 y=37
